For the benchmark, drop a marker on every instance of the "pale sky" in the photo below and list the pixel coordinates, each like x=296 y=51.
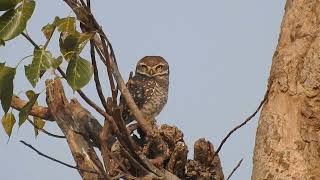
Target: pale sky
x=219 y=54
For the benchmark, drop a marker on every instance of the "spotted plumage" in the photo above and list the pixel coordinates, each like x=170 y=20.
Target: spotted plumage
x=148 y=87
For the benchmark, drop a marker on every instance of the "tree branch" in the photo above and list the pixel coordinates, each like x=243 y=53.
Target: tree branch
x=96 y=78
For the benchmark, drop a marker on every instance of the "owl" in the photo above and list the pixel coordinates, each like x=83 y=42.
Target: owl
x=148 y=87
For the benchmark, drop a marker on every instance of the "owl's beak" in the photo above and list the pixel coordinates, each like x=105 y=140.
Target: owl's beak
x=151 y=72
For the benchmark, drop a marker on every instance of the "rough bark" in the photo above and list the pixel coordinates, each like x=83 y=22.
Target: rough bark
x=288 y=138
x=71 y=118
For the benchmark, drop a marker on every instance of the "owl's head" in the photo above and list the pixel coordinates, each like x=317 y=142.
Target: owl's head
x=153 y=66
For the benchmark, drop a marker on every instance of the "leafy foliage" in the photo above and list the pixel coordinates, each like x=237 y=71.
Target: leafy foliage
x=6 y=86
x=8 y=121
x=14 y=21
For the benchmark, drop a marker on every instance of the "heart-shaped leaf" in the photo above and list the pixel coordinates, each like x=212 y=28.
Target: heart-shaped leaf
x=14 y=21
x=8 y=121
x=79 y=72
x=6 y=86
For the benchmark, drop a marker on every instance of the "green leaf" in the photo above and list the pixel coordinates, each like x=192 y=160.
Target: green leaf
x=79 y=72
x=14 y=21
x=39 y=123
x=48 y=30
x=8 y=4
x=73 y=43
x=56 y=63
x=8 y=121
x=42 y=60
x=67 y=24
x=24 y=112
x=6 y=86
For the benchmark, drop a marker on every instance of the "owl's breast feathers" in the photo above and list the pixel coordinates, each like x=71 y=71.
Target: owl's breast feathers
x=149 y=94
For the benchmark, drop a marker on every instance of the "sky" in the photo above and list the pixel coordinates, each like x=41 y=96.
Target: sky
x=219 y=53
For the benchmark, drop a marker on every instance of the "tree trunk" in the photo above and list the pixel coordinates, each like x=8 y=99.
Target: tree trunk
x=288 y=137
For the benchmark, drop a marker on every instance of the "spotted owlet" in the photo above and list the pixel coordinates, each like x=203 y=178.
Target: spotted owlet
x=148 y=87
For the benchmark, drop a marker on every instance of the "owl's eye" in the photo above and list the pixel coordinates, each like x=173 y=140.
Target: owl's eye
x=143 y=67
x=159 y=68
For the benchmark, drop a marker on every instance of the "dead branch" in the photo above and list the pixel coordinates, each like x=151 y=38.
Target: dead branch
x=204 y=164
x=70 y=119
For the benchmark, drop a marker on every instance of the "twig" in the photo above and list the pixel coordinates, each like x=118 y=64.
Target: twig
x=55 y=160
x=96 y=77
x=235 y=168
x=242 y=124
x=46 y=132
x=109 y=70
x=30 y=40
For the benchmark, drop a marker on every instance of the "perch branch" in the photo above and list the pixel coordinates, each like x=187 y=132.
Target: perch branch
x=235 y=168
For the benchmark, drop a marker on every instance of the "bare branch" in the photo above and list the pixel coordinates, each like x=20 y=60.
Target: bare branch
x=56 y=160
x=242 y=124
x=46 y=132
x=235 y=168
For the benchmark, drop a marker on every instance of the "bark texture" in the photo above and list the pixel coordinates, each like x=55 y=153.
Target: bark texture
x=288 y=137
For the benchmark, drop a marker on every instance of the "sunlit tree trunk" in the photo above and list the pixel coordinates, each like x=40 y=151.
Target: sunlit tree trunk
x=288 y=137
